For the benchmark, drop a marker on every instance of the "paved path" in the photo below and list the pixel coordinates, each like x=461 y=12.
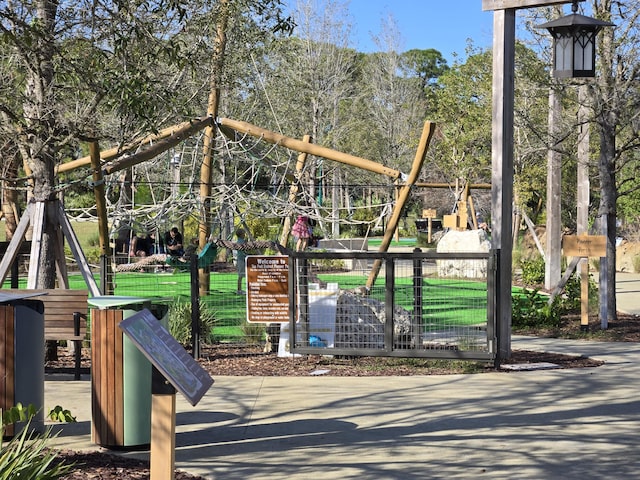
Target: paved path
x=578 y=424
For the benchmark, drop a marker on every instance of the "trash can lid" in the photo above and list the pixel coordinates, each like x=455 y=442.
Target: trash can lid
x=12 y=297
x=108 y=301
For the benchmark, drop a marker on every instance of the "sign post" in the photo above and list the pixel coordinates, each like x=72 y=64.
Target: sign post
x=584 y=246
x=429 y=214
x=174 y=369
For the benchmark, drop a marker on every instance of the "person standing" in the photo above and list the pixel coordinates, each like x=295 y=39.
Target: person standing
x=241 y=255
x=302 y=233
x=173 y=242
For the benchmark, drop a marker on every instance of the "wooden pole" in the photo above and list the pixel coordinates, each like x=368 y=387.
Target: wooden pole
x=403 y=195
x=163 y=437
x=502 y=170
x=582 y=216
x=554 y=191
x=101 y=207
x=177 y=131
x=204 y=228
x=293 y=192
x=310 y=148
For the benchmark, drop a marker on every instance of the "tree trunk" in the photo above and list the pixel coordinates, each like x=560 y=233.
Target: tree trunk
x=607 y=213
x=608 y=105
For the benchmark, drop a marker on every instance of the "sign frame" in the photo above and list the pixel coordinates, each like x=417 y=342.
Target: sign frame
x=167 y=355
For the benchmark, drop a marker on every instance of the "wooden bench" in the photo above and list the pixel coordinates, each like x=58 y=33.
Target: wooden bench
x=65 y=317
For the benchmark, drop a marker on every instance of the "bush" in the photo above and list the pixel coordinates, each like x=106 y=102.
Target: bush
x=253 y=333
x=26 y=456
x=531 y=309
x=180 y=322
x=532 y=270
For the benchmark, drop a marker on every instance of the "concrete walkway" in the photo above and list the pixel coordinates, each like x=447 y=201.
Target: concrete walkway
x=547 y=424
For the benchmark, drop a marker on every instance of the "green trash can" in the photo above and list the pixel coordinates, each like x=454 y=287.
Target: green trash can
x=22 y=356
x=120 y=374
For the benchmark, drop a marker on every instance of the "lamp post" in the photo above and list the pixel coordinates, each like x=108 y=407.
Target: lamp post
x=574 y=44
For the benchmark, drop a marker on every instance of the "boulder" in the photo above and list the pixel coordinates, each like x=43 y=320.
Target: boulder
x=466 y=241
x=360 y=322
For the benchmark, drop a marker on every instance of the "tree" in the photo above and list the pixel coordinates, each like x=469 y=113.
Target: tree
x=615 y=99
x=80 y=70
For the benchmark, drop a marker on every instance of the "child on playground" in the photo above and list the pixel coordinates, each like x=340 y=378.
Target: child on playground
x=302 y=231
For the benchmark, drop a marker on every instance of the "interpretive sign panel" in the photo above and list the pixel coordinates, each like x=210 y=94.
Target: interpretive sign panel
x=167 y=355
x=267 y=289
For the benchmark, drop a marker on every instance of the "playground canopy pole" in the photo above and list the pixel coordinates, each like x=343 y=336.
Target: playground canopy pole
x=403 y=195
x=179 y=132
x=310 y=148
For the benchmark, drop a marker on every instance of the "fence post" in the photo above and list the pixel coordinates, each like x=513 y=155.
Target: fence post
x=103 y=274
x=195 y=307
x=417 y=300
x=389 y=321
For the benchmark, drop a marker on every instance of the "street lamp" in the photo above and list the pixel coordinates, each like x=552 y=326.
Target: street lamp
x=574 y=44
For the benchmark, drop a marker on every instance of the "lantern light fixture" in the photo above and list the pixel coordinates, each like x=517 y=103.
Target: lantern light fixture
x=574 y=44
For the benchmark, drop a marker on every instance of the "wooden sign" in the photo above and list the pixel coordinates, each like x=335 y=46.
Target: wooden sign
x=584 y=245
x=429 y=213
x=267 y=289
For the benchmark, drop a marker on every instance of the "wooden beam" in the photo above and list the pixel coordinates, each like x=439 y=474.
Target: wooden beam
x=490 y=5
x=403 y=195
x=504 y=26
x=310 y=148
x=113 y=153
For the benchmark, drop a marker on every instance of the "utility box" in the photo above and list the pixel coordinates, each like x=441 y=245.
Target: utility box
x=121 y=374
x=22 y=356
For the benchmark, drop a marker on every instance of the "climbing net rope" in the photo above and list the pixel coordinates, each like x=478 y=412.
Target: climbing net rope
x=253 y=176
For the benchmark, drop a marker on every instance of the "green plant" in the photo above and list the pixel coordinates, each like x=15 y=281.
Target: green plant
x=26 y=456
x=253 y=332
x=180 y=321
x=59 y=414
x=531 y=309
x=532 y=270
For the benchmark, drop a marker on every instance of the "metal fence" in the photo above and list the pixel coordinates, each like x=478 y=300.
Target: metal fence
x=410 y=304
x=345 y=303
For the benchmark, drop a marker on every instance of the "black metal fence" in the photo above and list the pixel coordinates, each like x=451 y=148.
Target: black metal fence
x=412 y=304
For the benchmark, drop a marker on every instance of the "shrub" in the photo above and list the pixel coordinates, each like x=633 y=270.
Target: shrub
x=253 y=332
x=530 y=309
x=180 y=321
x=26 y=456
x=532 y=270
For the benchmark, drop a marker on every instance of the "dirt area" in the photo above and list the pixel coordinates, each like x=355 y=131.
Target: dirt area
x=625 y=255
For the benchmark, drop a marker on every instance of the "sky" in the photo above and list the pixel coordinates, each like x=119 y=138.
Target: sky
x=424 y=24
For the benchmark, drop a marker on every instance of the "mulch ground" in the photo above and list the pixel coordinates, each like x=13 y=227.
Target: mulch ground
x=247 y=360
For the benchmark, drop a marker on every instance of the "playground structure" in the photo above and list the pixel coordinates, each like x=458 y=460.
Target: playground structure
x=111 y=161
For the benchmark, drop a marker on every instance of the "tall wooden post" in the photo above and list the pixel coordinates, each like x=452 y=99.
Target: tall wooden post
x=293 y=192
x=552 y=271
x=504 y=22
x=209 y=137
x=504 y=13
x=101 y=207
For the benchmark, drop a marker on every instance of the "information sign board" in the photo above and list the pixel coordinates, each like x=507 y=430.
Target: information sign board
x=429 y=213
x=167 y=355
x=267 y=288
x=584 y=245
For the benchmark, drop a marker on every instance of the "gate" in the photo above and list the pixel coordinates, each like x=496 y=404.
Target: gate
x=418 y=304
